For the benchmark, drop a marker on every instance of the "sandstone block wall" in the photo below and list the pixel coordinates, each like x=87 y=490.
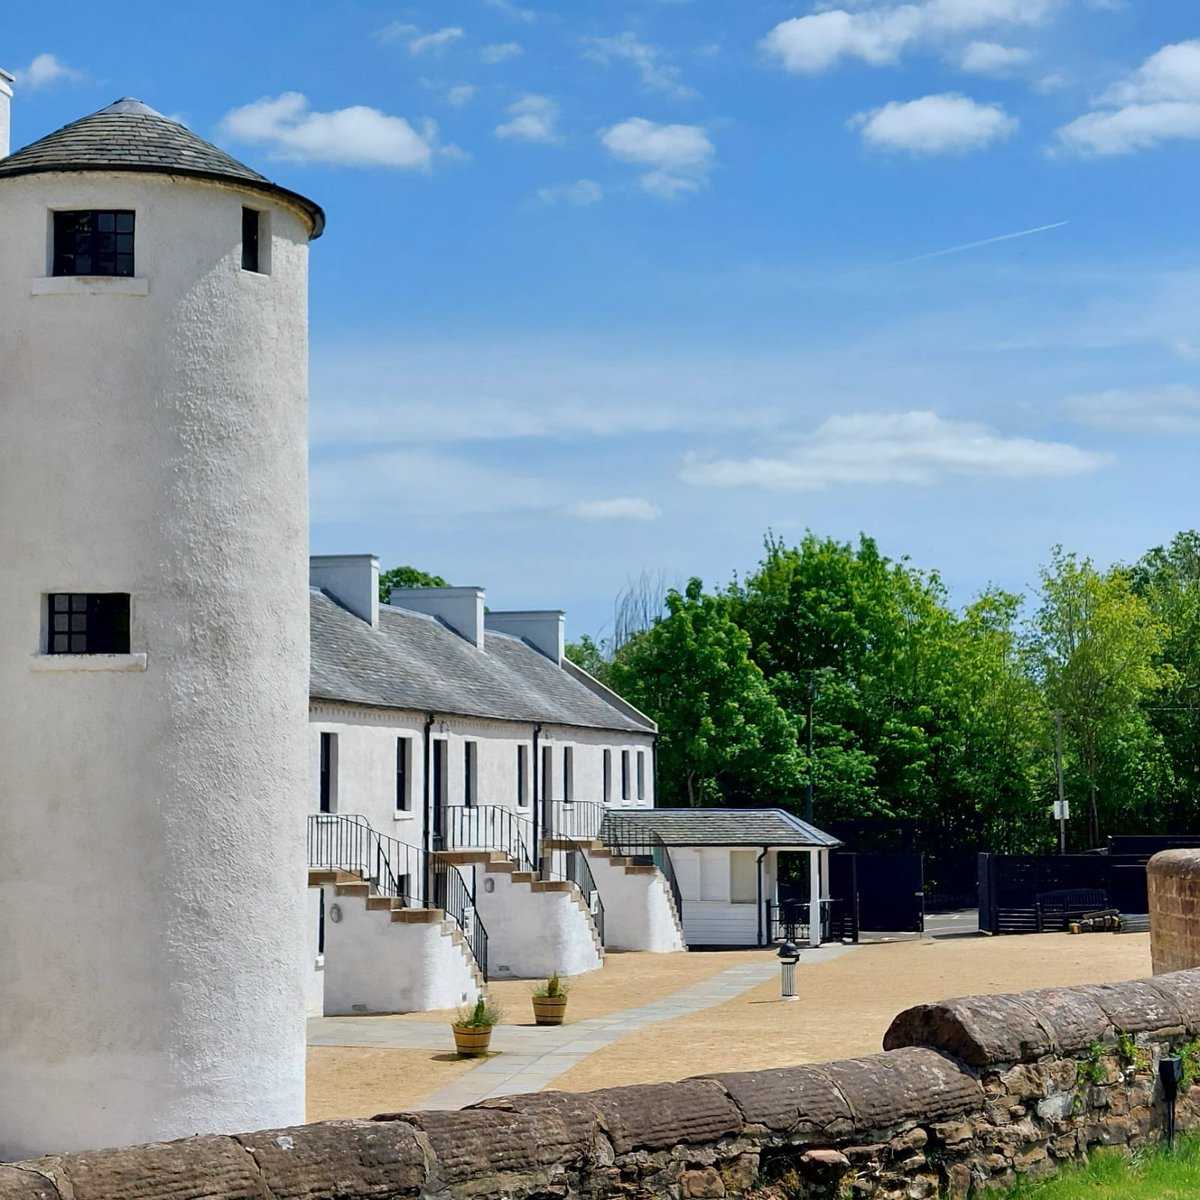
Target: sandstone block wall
x=1173 y=883
x=967 y=1095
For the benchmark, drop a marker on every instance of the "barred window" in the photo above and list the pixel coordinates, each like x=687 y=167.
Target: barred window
x=88 y=624
x=93 y=242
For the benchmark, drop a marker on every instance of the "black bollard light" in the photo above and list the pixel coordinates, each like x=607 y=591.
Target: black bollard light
x=789 y=956
x=1170 y=1071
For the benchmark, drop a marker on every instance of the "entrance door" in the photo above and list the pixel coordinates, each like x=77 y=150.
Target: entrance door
x=438 y=793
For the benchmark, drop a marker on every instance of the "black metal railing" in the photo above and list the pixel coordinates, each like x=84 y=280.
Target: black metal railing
x=789 y=921
x=631 y=839
x=348 y=842
x=580 y=819
x=579 y=872
x=489 y=827
x=458 y=901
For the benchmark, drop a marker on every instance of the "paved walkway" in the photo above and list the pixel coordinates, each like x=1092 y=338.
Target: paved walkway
x=530 y=1058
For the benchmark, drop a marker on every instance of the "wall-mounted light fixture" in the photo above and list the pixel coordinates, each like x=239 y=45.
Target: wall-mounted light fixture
x=335 y=913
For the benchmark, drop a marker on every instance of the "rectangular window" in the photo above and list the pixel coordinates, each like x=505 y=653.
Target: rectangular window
x=624 y=774
x=568 y=788
x=547 y=772
x=93 y=242
x=87 y=624
x=607 y=776
x=523 y=776
x=328 y=793
x=251 y=220
x=743 y=877
x=641 y=776
x=403 y=774
x=469 y=772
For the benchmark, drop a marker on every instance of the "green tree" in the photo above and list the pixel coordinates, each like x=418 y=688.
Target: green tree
x=590 y=655
x=1098 y=656
x=723 y=738
x=406 y=577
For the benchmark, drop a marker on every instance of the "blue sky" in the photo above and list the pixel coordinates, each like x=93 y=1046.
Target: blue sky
x=613 y=287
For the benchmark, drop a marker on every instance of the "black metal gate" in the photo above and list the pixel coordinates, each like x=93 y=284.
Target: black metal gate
x=876 y=893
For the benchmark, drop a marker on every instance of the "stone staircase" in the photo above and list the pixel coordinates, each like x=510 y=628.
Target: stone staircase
x=349 y=884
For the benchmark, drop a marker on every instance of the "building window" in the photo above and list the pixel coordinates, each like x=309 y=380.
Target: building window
x=88 y=624
x=469 y=772
x=403 y=774
x=568 y=788
x=624 y=774
x=523 y=776
x=607 y=776
x=251 y=227
x=93 y=243
x=641 y=776
x=547 y=773
x=743 y=877
x=328 y=782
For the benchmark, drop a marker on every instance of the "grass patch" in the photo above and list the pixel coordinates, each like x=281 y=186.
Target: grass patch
x=1152 y=1174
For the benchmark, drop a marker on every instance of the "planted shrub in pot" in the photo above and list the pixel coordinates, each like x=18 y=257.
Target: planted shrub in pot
x=473 y=1027
x=550 y=1001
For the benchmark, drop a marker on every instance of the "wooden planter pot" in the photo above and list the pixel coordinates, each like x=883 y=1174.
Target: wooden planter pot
x=472 y=1041
x=549 y=1010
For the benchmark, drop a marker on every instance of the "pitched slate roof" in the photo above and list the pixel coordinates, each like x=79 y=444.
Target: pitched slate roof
x=729 y=827
x=418 y=664
x=131 y=136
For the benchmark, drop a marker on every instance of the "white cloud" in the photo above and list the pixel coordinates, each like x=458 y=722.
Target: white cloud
x=509 y=9
x=916 y=448
x=680 y=156
x=949 y=123
x=534 y=119
x=418 y=42
x=624 y=508
x=656 y=75
x=45 y=71
x=579 y=194
x=461 y=94
x=498 y=52
x=1157 y=102
x=991 y=58
x=880 y=34
x=1171 y=409
x=355 y=136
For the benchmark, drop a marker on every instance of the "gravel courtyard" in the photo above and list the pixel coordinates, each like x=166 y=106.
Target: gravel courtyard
x=846 y=1004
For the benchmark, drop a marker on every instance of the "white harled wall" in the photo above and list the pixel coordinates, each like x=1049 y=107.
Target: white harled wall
x=153 y=946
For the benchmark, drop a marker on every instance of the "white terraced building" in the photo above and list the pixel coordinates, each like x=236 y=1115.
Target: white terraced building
x=472 y=810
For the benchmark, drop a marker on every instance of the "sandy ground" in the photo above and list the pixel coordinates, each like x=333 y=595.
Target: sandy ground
x=844 y=1009
x=353 y=1081
x=624 y=980
x=846 y=1005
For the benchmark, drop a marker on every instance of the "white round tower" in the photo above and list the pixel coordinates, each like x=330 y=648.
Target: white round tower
x=153 y=638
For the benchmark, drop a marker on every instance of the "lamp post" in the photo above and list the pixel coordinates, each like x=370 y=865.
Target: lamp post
x=789 y=956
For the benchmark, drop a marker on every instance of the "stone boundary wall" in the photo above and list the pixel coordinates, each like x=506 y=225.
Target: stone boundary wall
x=1173 y=884
x=966 y=1095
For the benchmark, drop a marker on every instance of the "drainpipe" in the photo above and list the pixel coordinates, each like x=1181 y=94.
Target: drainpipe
x=758 y=881
x=654 y=770
x=426 y=744
x=535 y=797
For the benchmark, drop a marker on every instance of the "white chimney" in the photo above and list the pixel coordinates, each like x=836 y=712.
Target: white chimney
x=6 y=82
x=459 y=607
x=351 y=579
x=542 y=630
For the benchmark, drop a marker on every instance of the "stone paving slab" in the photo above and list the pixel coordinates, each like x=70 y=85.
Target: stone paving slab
x=530 y=1057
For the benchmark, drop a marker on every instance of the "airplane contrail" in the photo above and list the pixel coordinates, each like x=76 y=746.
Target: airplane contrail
x=1004 y=237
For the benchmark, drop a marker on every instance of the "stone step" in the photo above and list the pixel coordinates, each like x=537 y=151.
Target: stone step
x=417 y=916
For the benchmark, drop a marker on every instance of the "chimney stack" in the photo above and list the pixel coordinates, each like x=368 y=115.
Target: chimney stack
x=351 y=579
x=6 y=82
x=542 y=630
x=461 y=608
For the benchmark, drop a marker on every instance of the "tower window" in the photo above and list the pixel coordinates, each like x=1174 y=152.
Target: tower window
x=251 y=222
x=93 y=243
x=88 y=624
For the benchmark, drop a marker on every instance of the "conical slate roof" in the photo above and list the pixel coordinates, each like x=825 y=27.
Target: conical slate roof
x=131 y=136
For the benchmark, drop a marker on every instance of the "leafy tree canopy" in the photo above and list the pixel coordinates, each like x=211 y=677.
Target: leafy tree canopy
x=406 y=577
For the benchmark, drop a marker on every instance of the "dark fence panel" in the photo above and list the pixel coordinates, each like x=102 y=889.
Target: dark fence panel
x=1009 y=886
